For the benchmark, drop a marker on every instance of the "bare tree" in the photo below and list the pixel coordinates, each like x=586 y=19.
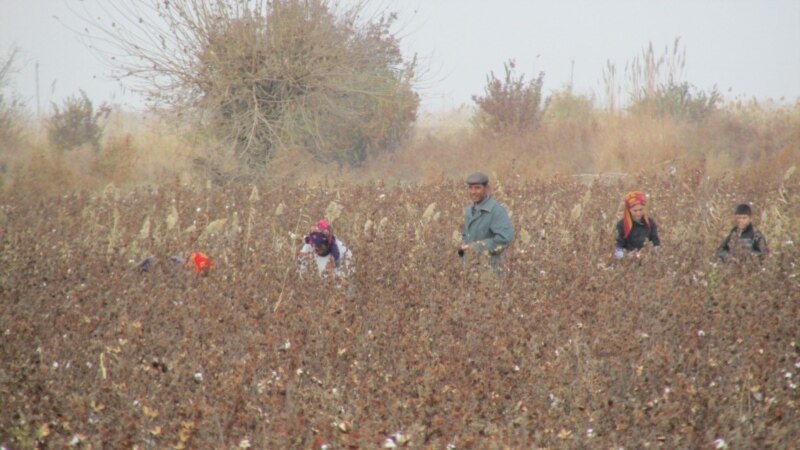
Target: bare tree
x=267 y=76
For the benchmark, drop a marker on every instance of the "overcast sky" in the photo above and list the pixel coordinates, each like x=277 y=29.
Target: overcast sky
x=750 y=47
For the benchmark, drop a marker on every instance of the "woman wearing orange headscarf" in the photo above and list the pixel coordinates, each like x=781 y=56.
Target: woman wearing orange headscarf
x=635 y=228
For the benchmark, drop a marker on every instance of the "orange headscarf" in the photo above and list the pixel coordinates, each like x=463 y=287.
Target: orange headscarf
x=632 y=199
x=202 y=263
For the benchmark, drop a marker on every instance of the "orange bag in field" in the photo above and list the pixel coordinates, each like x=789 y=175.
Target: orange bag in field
x=201 y=263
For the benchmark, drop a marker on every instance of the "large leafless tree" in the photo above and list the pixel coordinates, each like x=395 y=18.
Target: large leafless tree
x=267 y=76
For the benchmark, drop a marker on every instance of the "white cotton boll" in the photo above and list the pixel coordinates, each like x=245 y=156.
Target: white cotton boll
x=401 y=438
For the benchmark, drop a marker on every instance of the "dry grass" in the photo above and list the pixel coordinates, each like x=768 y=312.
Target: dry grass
x=135 y=151
x=738 y=139
x=750 y=139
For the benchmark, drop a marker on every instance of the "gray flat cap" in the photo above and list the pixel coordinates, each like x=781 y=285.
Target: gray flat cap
x=477 y=178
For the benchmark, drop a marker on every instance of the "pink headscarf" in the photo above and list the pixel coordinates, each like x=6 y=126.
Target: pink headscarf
x=323 y=234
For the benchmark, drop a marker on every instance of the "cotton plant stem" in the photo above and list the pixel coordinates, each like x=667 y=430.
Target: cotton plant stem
x=294 y=257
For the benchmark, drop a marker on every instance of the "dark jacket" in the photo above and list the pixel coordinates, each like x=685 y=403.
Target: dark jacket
x=750 y=241
x=640 y=234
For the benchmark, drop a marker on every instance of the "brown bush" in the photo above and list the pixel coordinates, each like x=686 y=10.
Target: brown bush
x=510 y=104
x=569 y=350
x=76 y=123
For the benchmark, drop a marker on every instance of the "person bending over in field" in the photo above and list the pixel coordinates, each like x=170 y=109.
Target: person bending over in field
x=200 y=262
x=635 y=228
x=743 y=239
x=323 y=251
x=487 y=228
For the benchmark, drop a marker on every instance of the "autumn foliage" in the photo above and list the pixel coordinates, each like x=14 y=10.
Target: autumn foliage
x=568 y=350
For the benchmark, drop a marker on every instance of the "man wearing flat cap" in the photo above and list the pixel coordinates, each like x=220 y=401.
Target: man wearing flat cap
x=487 y=228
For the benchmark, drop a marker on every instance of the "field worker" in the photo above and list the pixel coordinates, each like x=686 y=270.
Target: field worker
x=325 y=252
x=487 y=228
x=635 y=228
x=743 y=239
x=200 y=263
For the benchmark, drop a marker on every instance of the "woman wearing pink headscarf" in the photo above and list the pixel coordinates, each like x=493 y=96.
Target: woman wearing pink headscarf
x=325 y=252
x=635 y=228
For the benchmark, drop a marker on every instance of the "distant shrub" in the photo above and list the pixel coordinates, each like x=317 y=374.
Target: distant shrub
x=76 y=123
x=679 y=101
x=565 y=104
x=656 y=87
x=510 y=104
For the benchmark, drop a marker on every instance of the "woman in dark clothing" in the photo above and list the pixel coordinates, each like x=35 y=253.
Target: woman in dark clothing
x=635 y=228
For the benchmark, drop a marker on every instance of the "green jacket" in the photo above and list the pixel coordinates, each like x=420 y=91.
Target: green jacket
x=489 y=230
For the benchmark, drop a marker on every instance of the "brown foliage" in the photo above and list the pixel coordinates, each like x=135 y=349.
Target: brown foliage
x=510 y=104
x=568 y=350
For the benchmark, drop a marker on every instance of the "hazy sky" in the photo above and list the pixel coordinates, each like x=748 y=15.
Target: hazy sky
x=751 y=47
